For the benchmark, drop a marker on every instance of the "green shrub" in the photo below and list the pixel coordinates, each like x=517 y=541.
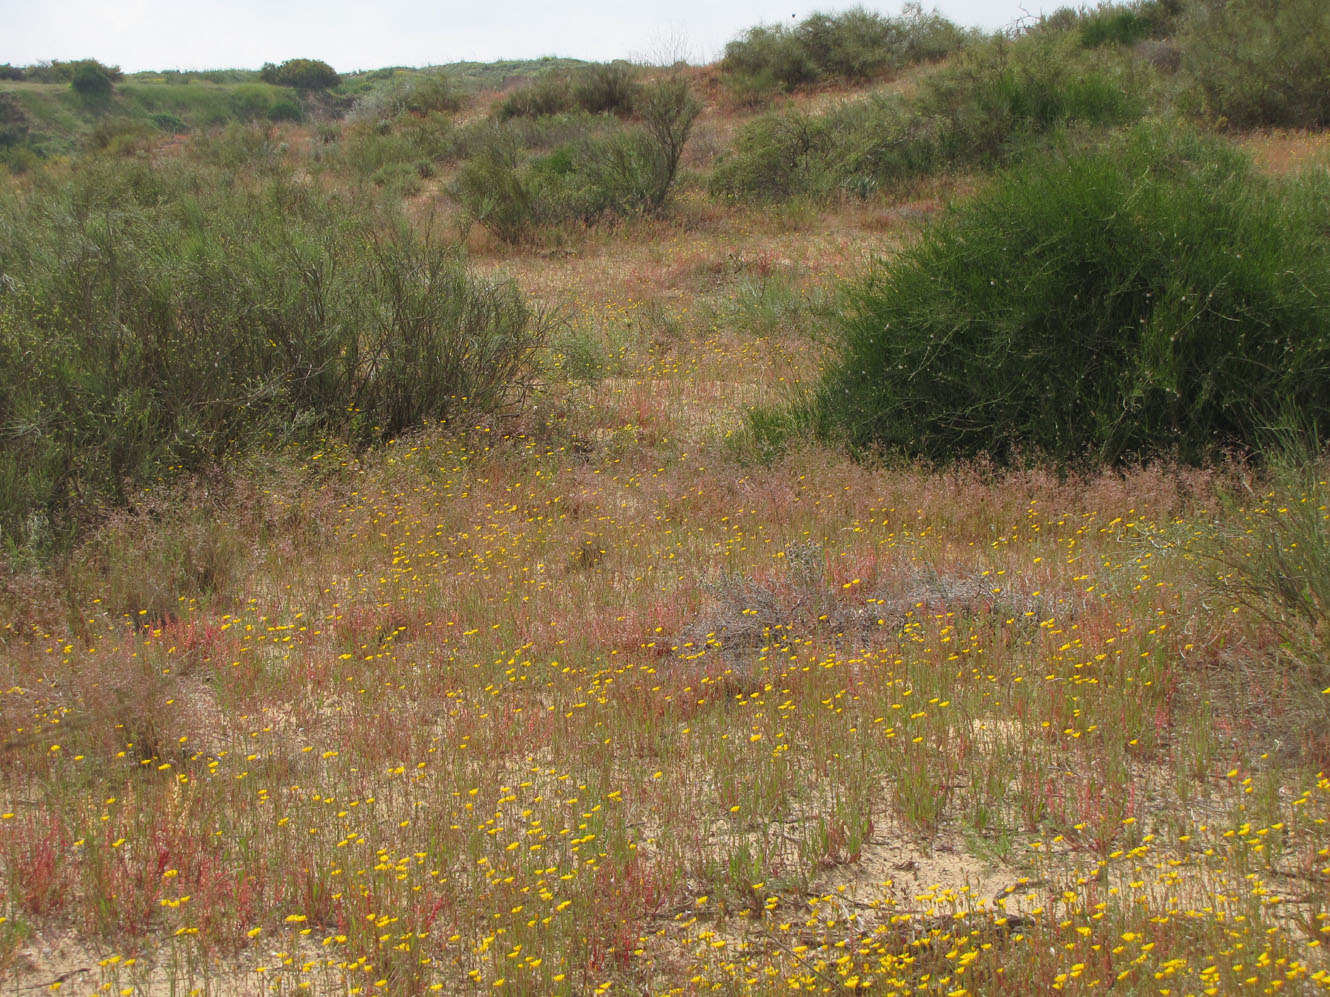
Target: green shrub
x=120 y=137
x=1129 y=23
x=163 y=317
x=927 y=36
x=48 y=72
x=858 y=45
x=253 y=101
x=90 y=81
x=581 y=357
x=1256 y=63
x=285 y=109
x=606 y=89
x=237 y=146
x=167 y=122
x=551 y=95
x=304 y=74
x=399 y=145
x=432 y=93
x=492 y=190
x=1153 y=296
x=767 y=59
x=19 y=159
x=622 y=172
x=668 y=110
x=1271 y=555
x=777 y=156
x=770 y=301
x=996 y=96
x=66 y=72
x=855 y=45
x=426 y=94
x=529 y=134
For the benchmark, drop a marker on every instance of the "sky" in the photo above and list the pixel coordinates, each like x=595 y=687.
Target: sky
x=365 y=34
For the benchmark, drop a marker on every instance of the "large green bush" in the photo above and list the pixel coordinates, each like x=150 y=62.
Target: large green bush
x=1152 y=296
x=156 y=317
x=1257 y=63
x=491 y=188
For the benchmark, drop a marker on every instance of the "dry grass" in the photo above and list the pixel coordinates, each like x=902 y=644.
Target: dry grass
x=1283 y=151
x=582 y=702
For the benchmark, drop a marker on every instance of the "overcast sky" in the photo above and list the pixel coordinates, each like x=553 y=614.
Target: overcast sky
x=362 y=34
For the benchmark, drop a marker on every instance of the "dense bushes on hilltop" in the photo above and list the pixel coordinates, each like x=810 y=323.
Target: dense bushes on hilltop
x=90 y=81
x=855 y=45
x=57 y=71
x=988 y=105
x=304 y=74
x=1124 y=24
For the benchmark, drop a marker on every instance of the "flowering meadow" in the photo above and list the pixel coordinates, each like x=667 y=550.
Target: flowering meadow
x=599 y=698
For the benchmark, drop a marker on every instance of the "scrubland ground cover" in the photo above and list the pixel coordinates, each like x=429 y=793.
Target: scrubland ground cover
x=611 y=692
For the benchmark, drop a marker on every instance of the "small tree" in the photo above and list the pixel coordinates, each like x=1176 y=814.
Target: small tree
x=668 y=112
